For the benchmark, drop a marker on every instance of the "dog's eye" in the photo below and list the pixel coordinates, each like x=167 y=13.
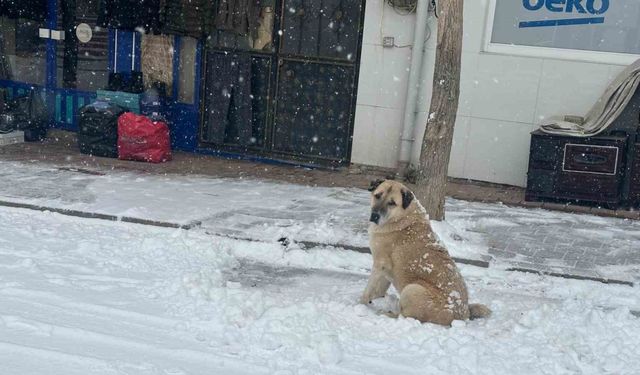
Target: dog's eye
x=392 y=203
x=378 y=196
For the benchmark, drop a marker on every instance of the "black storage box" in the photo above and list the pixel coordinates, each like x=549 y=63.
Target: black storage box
x=579 y=169
x=634 y=190
x=117 y=82
x=98 y=129
x=132 y=82
x=136 y=84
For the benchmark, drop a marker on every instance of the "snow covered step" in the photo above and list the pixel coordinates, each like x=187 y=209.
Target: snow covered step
x=16 y=136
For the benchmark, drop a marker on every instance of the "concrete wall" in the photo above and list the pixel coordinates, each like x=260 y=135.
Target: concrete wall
x=503 y=97
x=382 y=89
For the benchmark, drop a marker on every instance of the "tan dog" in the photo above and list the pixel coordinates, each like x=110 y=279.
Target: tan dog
x=407 y=254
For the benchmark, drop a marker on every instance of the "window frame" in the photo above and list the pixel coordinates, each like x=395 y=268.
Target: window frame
x=45 y=57
x=177 y=61
x=612 y=58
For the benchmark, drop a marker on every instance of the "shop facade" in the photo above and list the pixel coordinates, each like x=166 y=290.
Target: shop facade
x=68 y=52
x=330 y=82
x=273 y=79
x=523 y=61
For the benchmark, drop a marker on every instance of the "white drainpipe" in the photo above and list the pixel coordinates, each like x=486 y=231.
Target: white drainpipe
x=415 y=77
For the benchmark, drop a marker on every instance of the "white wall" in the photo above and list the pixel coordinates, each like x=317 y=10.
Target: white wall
x=382 y=87
x=502 y=99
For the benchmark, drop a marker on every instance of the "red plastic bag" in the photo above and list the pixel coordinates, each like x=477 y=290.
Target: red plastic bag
x=141 y=139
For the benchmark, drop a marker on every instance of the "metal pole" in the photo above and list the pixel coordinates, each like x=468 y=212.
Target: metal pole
x=115 y=53
x=413 y=85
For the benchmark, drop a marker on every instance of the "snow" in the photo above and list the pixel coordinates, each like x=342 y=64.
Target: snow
x=336 y=216
x=233 y=207
x=80 y=296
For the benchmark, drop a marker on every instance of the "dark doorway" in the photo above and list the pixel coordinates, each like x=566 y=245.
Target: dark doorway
x=286 y=89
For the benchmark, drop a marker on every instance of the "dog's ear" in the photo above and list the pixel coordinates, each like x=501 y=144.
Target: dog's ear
x=374 y=184
x=407 y=197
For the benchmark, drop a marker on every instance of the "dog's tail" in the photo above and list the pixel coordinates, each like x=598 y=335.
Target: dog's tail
x=477 y=311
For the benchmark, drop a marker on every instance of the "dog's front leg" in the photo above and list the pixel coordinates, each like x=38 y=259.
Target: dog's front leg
x=377 y=286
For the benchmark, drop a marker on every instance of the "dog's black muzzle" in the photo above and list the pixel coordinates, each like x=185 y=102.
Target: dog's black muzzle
x=375 y=217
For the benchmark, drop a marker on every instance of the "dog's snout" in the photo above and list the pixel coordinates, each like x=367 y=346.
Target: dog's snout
x=375 y=217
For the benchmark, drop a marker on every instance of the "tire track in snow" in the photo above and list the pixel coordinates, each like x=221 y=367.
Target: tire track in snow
x=56 y=301
x=214 y=364
x=12 y=350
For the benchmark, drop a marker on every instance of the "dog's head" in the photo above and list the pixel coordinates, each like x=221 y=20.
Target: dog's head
x=390 y=201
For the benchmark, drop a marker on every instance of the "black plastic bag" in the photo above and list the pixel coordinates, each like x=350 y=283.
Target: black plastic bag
x=98 y=129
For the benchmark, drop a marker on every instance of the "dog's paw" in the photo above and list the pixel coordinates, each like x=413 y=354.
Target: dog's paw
x=390 y=314
x=365 y=300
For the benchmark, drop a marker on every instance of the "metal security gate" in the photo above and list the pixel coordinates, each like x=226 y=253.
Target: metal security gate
x=293 y=98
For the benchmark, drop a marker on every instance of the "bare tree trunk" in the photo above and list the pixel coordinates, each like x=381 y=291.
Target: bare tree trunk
x=438 y=136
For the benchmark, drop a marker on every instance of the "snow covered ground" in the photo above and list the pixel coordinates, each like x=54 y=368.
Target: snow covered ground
x=243 y=208
x=85 y=296
x=266 y=211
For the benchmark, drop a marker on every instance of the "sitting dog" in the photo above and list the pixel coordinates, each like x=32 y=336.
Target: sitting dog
x=407 y=253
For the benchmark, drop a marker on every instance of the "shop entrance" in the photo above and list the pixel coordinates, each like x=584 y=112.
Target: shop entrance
x=284 y=85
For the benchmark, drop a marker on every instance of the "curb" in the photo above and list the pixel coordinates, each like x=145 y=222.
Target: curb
x=284 y=241
x=94 y=215
x=574 y=277
x=562 y=207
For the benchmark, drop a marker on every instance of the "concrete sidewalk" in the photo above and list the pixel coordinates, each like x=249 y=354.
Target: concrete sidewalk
x=60 y=149
x=250 y=207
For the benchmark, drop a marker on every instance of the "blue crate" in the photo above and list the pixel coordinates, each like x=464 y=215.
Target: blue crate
x=126 y=100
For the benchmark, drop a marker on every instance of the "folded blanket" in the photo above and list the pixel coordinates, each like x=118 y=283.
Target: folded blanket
x=608 y=107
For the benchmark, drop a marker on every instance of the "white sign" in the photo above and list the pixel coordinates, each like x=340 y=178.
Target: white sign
x=587 y=25
x=84 y=33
